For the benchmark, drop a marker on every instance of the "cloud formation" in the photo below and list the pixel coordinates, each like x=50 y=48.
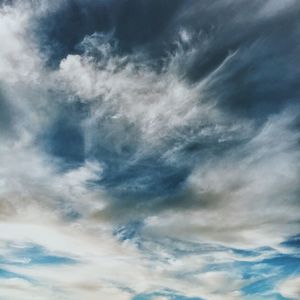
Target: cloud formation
x=149 y=150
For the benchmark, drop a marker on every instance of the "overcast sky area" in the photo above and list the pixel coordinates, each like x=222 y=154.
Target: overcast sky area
x=149 y=150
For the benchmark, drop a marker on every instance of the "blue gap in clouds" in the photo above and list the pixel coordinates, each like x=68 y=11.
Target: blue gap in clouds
x=63 y=138
x=144 y=178
x=62 y=29
x=35 y=255
x=277 y=267
x=38 y=255
x=128 y=231
x=289 y=264
x=135 y=23
x=7 y=274
x=169 y=294
x=4 y=274
x=292 y=242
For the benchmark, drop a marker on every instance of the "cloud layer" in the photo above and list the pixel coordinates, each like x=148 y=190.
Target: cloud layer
x=149 y=150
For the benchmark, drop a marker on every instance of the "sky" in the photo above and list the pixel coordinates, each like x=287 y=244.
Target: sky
x=149 y=150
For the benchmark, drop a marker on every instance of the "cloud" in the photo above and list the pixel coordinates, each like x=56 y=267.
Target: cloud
x=224 y=196
x=289 y=288
x=18 y=61
x=148 y=157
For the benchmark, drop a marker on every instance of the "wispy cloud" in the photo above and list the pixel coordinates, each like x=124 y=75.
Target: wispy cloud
x=149 y=150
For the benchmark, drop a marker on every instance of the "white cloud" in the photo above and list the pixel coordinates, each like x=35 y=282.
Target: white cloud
x=106 y=267
x=130 y=92
x=242 y=198
x=290 y=288
x=18 y=57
